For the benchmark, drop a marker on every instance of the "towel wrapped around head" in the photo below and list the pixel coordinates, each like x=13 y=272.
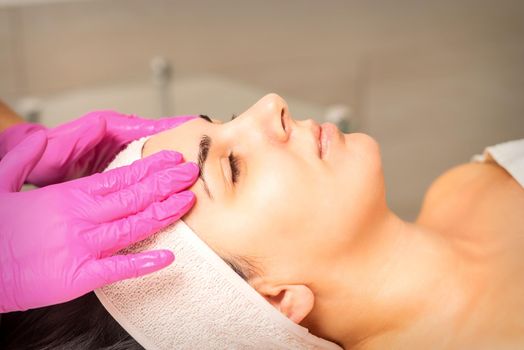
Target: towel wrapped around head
x=198 y=302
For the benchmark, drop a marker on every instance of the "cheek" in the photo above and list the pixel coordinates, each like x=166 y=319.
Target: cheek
x=281 y=185
x=265 y=216
x=282 y=200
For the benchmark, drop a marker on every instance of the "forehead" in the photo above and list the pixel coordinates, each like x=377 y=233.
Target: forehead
x=184 y=139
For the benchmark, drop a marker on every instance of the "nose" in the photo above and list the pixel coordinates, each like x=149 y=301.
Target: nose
x=274 y=117
x=267 y=120
x=274 y=104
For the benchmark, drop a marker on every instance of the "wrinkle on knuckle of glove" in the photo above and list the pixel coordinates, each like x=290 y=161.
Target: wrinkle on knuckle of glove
x=129 y=266
x=91 y=244
x=160 y=211
x=139 y=169
x=109 y=182
x=168 y=156
x=129 y=198
x=163 y=184
x=123 y=266
x=122 y=233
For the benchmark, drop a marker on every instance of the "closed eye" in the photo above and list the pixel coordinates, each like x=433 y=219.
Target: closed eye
x=234 y=162
x=235 y=169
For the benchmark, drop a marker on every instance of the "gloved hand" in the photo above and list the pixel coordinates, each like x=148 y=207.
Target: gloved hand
x=56 y=242
x=84 y=146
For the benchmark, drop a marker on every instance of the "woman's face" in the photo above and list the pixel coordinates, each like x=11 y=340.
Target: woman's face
x=269 y=194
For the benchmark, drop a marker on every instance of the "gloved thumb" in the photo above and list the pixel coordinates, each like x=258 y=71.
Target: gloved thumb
x=20 y=161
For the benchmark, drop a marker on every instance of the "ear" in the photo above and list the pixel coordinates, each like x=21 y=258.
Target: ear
x=293 y=300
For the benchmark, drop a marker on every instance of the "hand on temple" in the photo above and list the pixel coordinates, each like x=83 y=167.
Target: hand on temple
x=84 y=146
x=56 y=242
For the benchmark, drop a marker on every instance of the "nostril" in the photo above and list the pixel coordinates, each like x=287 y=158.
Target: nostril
x=285 y=119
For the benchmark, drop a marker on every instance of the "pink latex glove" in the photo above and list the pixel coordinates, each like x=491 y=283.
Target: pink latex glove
x=56 y=242
x=84 y=146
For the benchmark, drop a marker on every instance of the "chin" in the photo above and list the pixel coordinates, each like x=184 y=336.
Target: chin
x=361 y=138
x=363 y=145
x=366 y=162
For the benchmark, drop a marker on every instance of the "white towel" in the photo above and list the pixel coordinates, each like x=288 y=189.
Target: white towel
x=198 y=302
x=509 y=155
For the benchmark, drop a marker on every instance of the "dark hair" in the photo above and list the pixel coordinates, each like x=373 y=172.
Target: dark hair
x=81 y=324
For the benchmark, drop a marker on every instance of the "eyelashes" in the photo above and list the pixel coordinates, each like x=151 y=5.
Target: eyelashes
x=235 y=169
x=205 y=144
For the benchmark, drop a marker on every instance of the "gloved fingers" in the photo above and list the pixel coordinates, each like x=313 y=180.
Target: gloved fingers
x=120 y=267
x=120 y=178
x=80 y=135
x=15 y=134
x=67 y=145
x=114 y=236
x=154 y=188
x=18 y=163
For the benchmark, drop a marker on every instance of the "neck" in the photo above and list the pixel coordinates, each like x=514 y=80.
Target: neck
x=402 y=281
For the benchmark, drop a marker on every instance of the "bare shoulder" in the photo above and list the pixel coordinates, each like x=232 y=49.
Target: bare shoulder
x=482 y=207
x=475 y=198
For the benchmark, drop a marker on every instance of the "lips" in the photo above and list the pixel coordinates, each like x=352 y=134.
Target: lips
x=320 y=146
x=317 y=132
x=324 y=135
x=327 y=132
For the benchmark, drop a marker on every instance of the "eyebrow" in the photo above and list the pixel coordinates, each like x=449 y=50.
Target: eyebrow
x=203 y=150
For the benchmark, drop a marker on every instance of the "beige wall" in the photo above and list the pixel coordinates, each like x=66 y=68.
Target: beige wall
x=434 y=81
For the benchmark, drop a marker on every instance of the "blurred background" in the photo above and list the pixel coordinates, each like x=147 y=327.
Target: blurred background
x=433 y=81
